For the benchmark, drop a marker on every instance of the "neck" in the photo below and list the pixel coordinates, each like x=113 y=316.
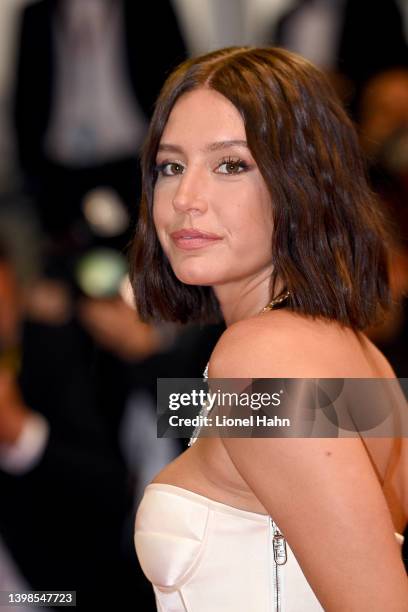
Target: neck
x=244 y=300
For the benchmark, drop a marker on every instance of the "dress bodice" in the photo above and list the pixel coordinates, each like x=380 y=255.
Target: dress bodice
x=203 y=555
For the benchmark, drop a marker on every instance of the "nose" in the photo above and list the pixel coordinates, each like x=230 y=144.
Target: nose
x=190 y=194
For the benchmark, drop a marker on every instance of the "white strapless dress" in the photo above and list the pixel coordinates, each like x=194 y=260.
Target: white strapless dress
x=204 y=556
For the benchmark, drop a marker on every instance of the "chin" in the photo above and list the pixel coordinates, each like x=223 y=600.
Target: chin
x=198 y=280
x=195 y=277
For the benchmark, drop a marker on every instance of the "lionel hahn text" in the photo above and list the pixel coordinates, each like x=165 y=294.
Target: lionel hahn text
x=223 y=421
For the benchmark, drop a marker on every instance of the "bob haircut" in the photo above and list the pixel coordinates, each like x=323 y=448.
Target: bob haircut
x=329 y=245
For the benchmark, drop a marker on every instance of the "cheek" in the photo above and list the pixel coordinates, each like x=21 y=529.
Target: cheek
x=263 y=214
x=163 y=219
x=159 y=214
x=251 y=224
x=155 y=215
x=252 y=216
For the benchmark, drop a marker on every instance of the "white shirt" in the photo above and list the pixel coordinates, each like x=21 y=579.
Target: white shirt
x=95 y=117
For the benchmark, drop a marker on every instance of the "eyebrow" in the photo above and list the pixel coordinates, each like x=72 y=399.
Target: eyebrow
x=213 y=146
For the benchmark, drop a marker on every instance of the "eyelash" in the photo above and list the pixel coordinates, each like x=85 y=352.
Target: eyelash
x=226 y=161
x=233 y=161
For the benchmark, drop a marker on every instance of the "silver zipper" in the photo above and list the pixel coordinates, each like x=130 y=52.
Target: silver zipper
x=280 y=557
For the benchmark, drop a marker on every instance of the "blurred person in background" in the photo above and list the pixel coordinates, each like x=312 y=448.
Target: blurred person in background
x=383 y=113
x=66 y=492
x=349 y=39
x=383 y=129
x=87 y=76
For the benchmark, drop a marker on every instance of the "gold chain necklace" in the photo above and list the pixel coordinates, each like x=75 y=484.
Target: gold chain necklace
x=204 y=410
x=280 y=298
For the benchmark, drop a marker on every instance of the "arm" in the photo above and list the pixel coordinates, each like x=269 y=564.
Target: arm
x=323 y=493
x=23 y=432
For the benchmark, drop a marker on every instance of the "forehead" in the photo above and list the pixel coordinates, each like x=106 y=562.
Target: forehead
x=203 y=115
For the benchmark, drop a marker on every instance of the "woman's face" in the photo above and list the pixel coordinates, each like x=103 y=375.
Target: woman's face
x=212 y=209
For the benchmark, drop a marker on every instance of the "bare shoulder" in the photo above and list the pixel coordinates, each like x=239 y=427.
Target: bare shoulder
x=380 y=361
x=287 y=344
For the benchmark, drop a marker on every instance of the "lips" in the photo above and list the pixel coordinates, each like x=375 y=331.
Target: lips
x=193 y=239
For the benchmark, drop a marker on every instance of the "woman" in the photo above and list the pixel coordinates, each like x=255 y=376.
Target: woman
x=254 y=191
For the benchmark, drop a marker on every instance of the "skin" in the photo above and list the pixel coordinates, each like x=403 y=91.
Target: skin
x=199 y=189
x=343 y=511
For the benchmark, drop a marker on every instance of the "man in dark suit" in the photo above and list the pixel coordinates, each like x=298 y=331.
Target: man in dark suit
x=88 y=74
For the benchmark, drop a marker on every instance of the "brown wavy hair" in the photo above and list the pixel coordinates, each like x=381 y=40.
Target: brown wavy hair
x=329 y=245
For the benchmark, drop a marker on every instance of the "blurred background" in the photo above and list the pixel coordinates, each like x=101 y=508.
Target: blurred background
x=78 y=80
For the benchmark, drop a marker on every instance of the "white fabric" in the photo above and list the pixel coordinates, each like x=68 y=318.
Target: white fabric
x=28 y=449
x=203 y=555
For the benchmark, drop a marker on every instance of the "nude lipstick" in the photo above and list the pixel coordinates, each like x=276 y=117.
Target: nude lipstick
x=189 y=239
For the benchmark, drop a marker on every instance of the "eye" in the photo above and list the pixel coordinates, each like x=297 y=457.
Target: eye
x=169 y=168
x=231 y=165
